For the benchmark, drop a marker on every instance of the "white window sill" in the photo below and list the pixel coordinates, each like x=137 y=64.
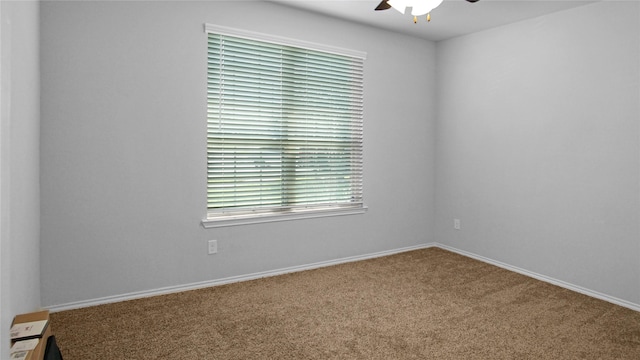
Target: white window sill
x=273 y=217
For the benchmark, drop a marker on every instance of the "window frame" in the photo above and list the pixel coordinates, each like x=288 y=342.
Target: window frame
x=233 y=218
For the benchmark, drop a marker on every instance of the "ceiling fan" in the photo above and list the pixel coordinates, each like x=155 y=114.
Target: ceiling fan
x=418 y=7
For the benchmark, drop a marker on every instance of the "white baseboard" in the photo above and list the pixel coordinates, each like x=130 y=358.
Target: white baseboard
x=229 y=280
x=234 y=279
x=547 y=279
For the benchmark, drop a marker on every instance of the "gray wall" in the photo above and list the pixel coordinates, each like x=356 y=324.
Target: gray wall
x=123 y=148
x=538 y=146
x=19 y=164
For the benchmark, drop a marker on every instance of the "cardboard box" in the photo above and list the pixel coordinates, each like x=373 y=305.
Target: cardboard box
x=38 y=352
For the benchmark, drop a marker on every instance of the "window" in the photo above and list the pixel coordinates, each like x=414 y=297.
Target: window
x=284 y=129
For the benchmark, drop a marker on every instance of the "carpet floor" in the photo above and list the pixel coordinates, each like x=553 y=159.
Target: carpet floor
x=423 y=304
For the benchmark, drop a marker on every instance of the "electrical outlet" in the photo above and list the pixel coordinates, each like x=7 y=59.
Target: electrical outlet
x=213 y=246
x=456 y=224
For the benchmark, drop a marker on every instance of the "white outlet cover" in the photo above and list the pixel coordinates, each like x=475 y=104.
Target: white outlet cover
x=213 y=246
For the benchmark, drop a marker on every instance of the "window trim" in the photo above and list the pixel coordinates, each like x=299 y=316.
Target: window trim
x=214 y=219
x=248 y=219
x=224 y=30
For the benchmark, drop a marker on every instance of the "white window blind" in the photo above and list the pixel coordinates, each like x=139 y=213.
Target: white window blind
x=284 y=128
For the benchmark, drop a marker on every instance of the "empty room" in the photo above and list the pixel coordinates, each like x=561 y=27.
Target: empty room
x=320 y=179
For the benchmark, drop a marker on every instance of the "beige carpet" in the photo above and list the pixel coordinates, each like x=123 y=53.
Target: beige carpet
x=424 y=304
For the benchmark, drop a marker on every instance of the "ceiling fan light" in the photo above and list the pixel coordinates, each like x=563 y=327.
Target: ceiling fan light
x=422 y=7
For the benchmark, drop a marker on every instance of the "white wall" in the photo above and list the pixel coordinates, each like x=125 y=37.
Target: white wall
x=538 y=149
x=19 y=164
x=123 y=148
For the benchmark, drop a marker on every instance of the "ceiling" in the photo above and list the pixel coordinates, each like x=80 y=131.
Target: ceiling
x=452 y=18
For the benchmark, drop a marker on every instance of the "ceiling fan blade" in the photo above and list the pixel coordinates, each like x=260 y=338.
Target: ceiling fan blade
x=472 y=1
x=384 y=5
